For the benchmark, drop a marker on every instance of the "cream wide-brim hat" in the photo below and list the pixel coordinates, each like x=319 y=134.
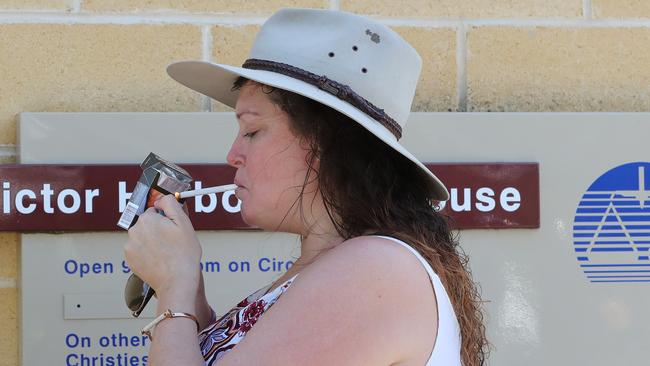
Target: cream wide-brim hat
x=354 y=65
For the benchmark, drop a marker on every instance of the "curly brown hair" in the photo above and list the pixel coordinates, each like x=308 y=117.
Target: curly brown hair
x=369 y=188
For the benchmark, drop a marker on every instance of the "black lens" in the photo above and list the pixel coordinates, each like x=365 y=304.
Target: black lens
x=137 y=294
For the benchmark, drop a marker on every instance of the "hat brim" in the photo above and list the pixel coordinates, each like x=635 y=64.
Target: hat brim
x=216 y=80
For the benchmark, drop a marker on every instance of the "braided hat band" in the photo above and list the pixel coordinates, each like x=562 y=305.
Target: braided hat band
x=333 y=87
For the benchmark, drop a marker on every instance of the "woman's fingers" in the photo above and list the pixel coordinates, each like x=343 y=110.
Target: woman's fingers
x=172 y=209
x=163 y=248
x=153 y=196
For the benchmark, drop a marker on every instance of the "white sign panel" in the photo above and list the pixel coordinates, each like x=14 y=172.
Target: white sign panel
x=573 y=292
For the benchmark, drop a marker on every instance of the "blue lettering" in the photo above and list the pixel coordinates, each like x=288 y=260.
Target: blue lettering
x=82 y=268
x=263 y=264
x=125 y=267
x=70 y=266
x=73 y=341
x=242 y=266
x=274 y=265
x=134 y=361
x=104 y=341
x=70 y=360
x=121 y=359
x=211 y=266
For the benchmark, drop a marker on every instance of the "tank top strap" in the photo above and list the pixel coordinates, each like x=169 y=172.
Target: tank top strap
x=446 y=350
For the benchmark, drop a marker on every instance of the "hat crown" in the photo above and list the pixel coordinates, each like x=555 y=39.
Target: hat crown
x=370 y=58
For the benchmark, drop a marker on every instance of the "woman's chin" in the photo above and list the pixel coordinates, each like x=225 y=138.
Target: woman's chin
x=257 y=222
x=248 y=217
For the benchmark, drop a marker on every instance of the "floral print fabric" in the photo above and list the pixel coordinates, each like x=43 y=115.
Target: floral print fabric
x=223 y=335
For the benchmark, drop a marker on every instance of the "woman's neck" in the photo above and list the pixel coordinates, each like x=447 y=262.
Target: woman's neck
x=314 y=224
x=318 y=240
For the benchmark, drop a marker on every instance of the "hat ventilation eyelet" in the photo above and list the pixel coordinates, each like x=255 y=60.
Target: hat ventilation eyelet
x=364 y=70
x=355 y=48
x=331 y=54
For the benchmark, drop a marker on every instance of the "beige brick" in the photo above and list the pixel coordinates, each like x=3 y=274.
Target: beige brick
x=620 y=8
x=556 y=69
x=102 y=68
x=467 y=8
x=437 y=85
x=212 y=6
x=9 y=328
x=36 y=5
x=230 y=45
x=9 y=243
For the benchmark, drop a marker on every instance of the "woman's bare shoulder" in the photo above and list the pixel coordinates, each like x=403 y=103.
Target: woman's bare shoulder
x=366 y=301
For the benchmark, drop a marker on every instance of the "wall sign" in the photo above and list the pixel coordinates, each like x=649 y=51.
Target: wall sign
x=92 y=197
x=541 y=303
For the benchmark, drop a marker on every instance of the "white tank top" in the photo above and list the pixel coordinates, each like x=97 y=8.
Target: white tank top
x=446 y=351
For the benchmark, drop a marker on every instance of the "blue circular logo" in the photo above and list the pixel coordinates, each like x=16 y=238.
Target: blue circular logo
x=611 y=229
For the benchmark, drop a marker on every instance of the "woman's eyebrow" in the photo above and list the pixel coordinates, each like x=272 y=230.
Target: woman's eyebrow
x=239 y=114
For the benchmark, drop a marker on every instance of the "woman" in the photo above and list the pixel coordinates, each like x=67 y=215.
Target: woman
x=320 y=105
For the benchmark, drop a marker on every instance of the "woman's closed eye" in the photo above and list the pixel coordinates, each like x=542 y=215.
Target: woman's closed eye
x=250 y=134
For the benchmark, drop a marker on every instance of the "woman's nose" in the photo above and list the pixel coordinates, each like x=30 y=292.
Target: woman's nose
x=235 y=158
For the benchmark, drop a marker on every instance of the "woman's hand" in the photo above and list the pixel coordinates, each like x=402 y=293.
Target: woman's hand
x=164 y=250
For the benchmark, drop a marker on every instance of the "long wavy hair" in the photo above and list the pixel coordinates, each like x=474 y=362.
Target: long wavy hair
x=369 y=188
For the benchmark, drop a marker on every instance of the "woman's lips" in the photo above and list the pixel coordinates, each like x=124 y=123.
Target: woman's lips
x=238 y=191
x=239 y=188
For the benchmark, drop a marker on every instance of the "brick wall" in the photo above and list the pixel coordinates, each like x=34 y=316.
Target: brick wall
x=479 y=55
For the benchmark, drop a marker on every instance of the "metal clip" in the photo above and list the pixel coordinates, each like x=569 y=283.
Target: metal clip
x=325 y=84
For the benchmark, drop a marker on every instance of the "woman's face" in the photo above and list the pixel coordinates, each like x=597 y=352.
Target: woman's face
x=271 y=164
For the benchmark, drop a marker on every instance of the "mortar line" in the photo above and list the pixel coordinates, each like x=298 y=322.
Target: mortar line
x=208 y=19
x=76 y=6
x=518 y=22
x=587 y=9
x=8 y=150
x=127 y=18
x=461 y=67
x=7 y=282
x=206 y=36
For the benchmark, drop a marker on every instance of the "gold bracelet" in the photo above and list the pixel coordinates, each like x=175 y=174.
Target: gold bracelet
x=167 y=314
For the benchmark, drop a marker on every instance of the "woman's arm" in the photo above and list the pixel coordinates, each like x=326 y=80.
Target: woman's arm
x=174 y=340
x=367 y=301
x=204 y=311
